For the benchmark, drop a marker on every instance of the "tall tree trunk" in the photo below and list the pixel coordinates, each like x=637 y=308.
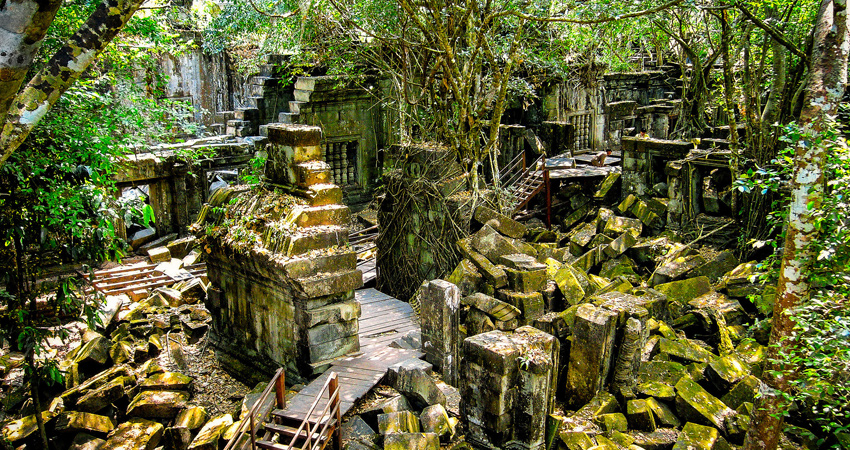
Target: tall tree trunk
x=62 y=71
x=825 y=89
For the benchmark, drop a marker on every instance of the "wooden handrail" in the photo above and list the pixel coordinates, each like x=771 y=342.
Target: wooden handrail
x=331 y=386
x=277 y=380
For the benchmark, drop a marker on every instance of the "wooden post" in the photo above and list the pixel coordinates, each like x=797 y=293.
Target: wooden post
x=253 y=438
x=335 y=406
x=280 y=390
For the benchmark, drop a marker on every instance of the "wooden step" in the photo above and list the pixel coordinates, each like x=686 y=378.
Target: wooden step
x=288 y=433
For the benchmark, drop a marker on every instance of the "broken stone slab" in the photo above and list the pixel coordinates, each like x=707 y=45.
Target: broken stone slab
x=664 y=416
x=20 y=429
x=660 y=439
x=649 y=216
x=135 y=434
x=640 y=416
x=411 y=441
x=697 y=437
x=656 y=389
x=412 y=340
x=181 y=247
x=527 y=281
x=109 y=309
x=98 y=399
x=192 y=418
x=94 y=354
x=617 y=225
x=584 y=235
x=490 y=271
x=685 y=350
x=500 y=222
x=159 y=255
x=676 y=269
x=494 y=308
x=725 y=371
x=717 y=266
x=440 y=321
x=695 y=404
x=435 y=419
x=85 y=441
x=168 y=381
x=414 y=382
x=745 y=391
x=569 y=285
x=606 y=185
x=142 y=237
x=683 y=291
x=177 y=438
x=619 y=245
x=208 y=437
x=466 y=277
x=591 y=352
x=521 y=262
x=731 y=309
x=530 y=304
x=158 y=404
x=398 y=422
x=358 y=430
x=77 y=421
x=491 y=244
x=576 y=440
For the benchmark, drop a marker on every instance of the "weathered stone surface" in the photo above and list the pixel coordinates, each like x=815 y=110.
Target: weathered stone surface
x=657 y=389
x=85 y=441
x=208 y=437
x=75 y=422
x=435 y=419
x=158 y=404
x=724 y=371
x=730 y=308
x=591 y=352
x=440 y=319
x=177 y=438
x=584 y=235
x=466 y=277
x=716 y=267
x=295 y=135
x=640 y=415
x=494 y=308
x=530 y=304
x=490 y=271
x=618 y=246
x=356 y=429
x=576 y=440
x=94 y=354
x=617 y=225
x=168 y=381
x=192 y=418
x=613 y=422
x=695 y=404
x=676 y=269
x=607 y=184
x=411 y=441
x=696 y=437
x=685 y=350
x=135 y=434
x=500 y=222
x=415 y=384
x=398 y=422
x=97 y=399
x=22 y=428
x=664 y=416
x=491 y=244
x=684 y=291
x=159 y=254
x=744 y=391
x=660 y=439
x=569 y=285
x=527 y=281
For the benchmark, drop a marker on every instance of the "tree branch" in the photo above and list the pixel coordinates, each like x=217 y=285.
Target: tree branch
x=775 y=34
x=632 y=15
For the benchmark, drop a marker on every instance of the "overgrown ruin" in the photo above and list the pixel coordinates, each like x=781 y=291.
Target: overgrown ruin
x=565 y=267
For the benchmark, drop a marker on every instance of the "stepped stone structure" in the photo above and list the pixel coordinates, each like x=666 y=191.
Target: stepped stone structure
x=287 y=298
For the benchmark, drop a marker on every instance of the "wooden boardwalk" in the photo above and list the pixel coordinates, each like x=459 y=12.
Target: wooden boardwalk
x=383 y=319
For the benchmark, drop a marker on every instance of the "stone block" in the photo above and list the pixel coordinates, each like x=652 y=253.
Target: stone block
x=435 y=419
x=411 y=441
x=208 y=437
x=310 y=216
x=135 y=434
x=85 y=441
x=664 y=416
x=311 y=173
x=619 y=245
x=588 y=260
x=640 y=415
x=325 y=351
x=398 y=422
x=158 y=404
x=695 y=404
x=731 y=309
x=500 y=222
x=177 y=438
x=530 y=304
x=656 y=389
x=617 y=225
x=576 y=440
x=527 y=281
x=591 y=352
x=171 y=381
x=697 y=437
x=685 y=350
x=295 y=135
x=676 y=269
x=649 y=216
x=192 y=418
x=324 y=194
x=607 y=184
x=440 y=319
x=626 y=204
x=662 y=438
x=346 y=311
x=305 y=240
x=683 y=291
x=521 y=262
x=491 y=244
x=725 y=371
x=159 y=254
x=494 y=308
x=490 y=271
x=584 y=235
x=466 y=277
x=83 y=422
x=101 y=397
x=416 y=384
x=744 y=391
x=612 y=422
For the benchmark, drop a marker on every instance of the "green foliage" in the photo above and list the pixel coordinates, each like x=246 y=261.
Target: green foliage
x=253 y=175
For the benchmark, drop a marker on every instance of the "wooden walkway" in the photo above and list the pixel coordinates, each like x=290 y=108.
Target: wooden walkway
x=383 y=319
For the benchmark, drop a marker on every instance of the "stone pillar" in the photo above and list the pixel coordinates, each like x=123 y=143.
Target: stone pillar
x=591 y=353
x=440 y=319
x=508 y=387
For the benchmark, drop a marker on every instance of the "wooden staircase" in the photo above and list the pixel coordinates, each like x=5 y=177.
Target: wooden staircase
x=522 y=181
x=279 y=431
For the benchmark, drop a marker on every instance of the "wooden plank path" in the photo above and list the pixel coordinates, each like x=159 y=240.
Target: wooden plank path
x=383 y=319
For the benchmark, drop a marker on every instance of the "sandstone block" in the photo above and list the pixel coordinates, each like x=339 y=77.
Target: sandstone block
x=158 y=404
x=135 y=434
x=527 y=281
x=617 y=225
x=159 y=254
x=491 y=272
x=192 y=418
x=744 y=391
x=695 y=404
x=76 y=422
x=411 y=441
x=591 y=352
x=500 y=222
x=466 y=277
x=664 y=416
x=208 y=437
x=530 y=304
x=697 y=437
x=640 y=415
x=168 y=381
x=398 y=422
x=435 y=419
x=97 y=399
x=676 y=269
x=684 y=291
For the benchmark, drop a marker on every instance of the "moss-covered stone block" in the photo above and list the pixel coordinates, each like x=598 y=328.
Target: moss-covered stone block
x=695 y=404
x=684 y=291
x=697 y=437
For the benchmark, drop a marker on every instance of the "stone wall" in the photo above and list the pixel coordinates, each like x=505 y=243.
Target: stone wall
x=644 y=164
x=282 y=275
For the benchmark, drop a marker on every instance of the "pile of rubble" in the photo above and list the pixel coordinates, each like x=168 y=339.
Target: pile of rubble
x=128 y=384
x=650 y=348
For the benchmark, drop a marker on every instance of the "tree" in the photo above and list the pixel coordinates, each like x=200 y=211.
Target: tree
x=25 y=24
x=823 y=94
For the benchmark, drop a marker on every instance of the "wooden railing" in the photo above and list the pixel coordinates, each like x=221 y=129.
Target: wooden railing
x=329 y=417
x=510 y=171
x=250 y=419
